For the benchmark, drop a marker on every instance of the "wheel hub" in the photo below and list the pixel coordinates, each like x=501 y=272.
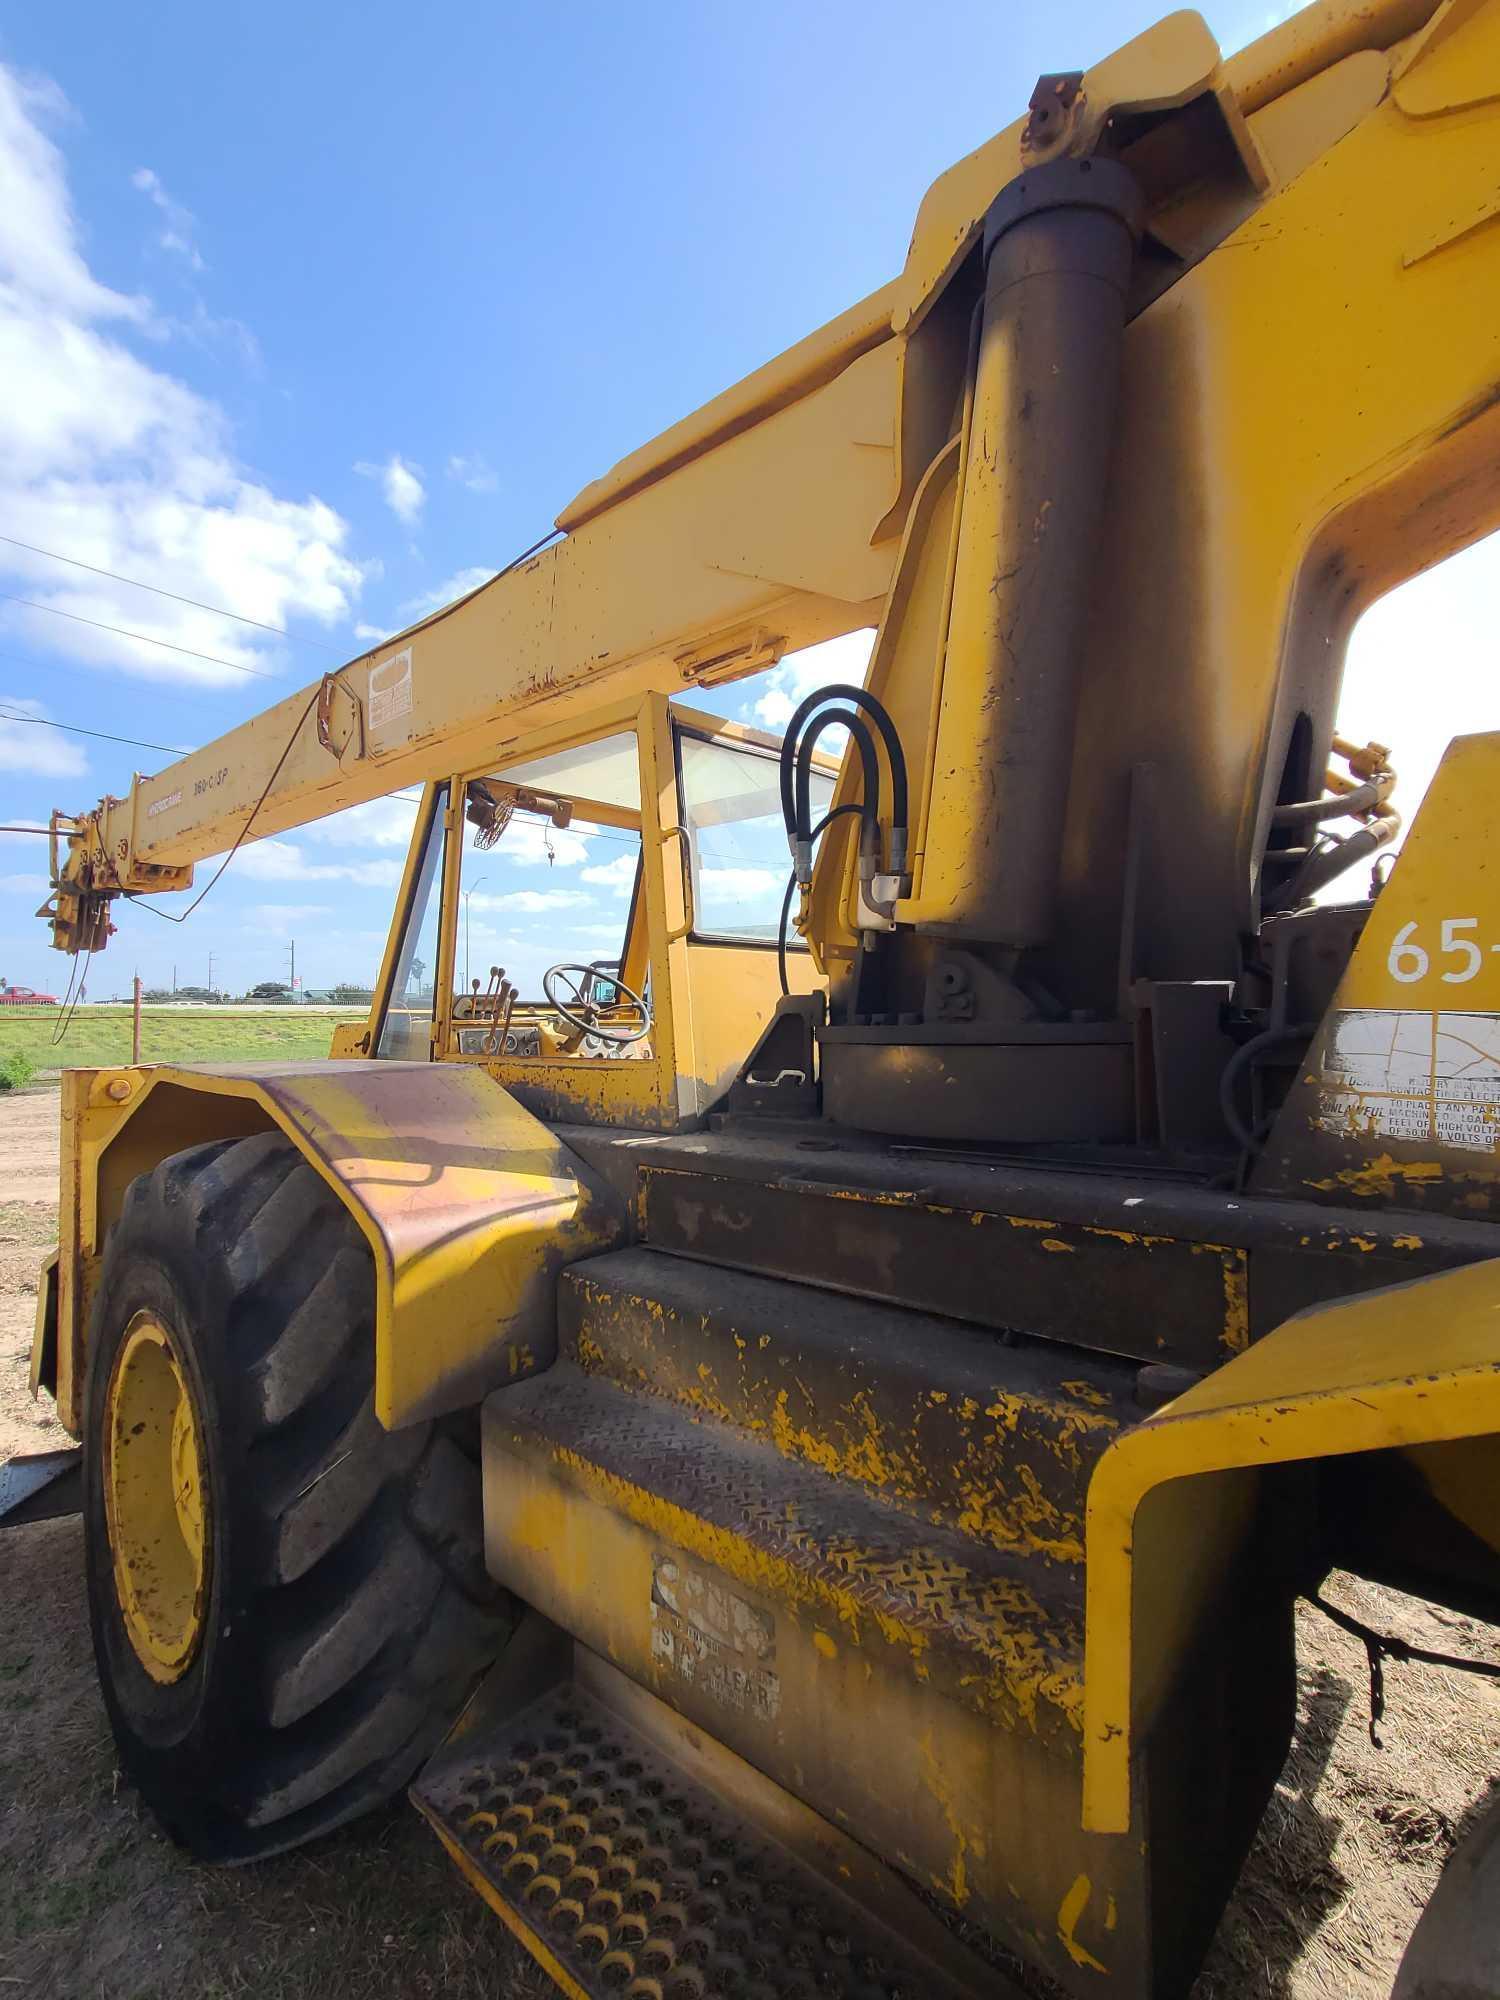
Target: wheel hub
x=155 y=1500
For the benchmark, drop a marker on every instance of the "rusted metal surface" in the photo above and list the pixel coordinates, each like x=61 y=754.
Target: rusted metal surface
x=993 y=1438
x=793 y=1519
x=625 y=1868
x=1161 y=1266
x=470 y=1206
x=1124 y=1290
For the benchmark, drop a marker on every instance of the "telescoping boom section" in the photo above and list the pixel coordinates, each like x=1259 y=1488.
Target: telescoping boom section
x=797 y=1427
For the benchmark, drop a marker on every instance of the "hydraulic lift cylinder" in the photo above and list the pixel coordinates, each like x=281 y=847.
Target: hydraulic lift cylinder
x=1059 y=245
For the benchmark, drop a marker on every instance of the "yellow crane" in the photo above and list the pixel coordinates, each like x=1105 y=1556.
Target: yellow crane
x=801 y=1440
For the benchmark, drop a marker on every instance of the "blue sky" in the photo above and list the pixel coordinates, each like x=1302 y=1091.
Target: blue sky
x=320 y=313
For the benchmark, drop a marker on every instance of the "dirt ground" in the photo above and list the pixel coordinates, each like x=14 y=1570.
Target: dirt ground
x=95 y=1905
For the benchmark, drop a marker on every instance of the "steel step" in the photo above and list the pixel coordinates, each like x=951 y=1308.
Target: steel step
x=995 y=1440
x=600 y=1831
x=999 y=1631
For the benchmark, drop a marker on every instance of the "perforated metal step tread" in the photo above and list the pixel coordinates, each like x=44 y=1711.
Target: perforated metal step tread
x=625 y=1876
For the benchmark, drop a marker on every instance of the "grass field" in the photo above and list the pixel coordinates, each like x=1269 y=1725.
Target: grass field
x=101 y=1035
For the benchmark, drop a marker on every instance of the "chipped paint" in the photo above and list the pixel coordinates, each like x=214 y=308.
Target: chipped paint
x=1381 y=1177
x=1236 y=1335
x=1031 y=1667
x=955 y=1884
x=1070 y=1910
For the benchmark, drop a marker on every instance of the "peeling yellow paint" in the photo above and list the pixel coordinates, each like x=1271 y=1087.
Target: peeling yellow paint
x=1236 y=1335
x=1071 y=1909
x=1055 y=1243
x=955 y=1884
x=1031 y=1664
x=1380 y=1176
x=1406 y=1242
x=826 y=1646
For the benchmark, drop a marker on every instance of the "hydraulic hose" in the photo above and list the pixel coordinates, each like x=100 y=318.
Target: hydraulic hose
x=791 y=884
x=864 y=742
x=871 y=705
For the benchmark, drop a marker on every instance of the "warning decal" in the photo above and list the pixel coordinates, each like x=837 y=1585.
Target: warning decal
x=702 y=1632
x=1419 y=1076
x=388 y=703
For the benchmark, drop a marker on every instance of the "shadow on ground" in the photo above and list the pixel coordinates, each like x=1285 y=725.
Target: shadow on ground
x=94 y=1902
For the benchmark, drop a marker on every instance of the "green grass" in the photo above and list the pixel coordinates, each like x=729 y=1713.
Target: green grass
x=100 y=1036
x=16 y=1068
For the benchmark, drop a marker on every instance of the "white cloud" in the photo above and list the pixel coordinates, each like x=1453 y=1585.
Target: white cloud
x=39 y=254
x=177 y=232
x=530 y=843
x=40 y=753
x=115 y=462
x=378 y=823
x=19 y=838
x=283 y=861
x=473 y=471
x=282 y=918
x=528 y=901
x=400 y=485
x=741 y=882
x=447 y=592
x=24 y=885
x=843 y=659
x=374 y=633
x=618 y=874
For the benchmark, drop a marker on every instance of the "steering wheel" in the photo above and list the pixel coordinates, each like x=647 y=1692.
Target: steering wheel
x=580 y=984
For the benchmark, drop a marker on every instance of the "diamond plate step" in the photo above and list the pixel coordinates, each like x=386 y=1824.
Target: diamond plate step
x=626 y=1870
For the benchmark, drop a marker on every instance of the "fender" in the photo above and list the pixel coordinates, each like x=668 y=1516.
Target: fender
x=470 y=1205
x=1414 y=1369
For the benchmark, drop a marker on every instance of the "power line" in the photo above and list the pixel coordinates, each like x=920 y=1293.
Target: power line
x=176 y=596
x=77 y=729
x=145 y=637
x=205 y=690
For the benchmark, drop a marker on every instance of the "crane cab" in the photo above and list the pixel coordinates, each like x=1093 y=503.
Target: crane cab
x=596 y=916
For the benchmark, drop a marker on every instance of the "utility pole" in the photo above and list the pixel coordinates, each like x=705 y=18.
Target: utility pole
x=292 y=948
x=210 y=975
x=174 y=978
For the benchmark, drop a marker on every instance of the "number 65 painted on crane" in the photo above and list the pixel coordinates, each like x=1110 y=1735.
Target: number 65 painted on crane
x=1408 y=961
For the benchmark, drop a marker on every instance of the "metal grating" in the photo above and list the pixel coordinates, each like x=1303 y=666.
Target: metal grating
x=639 y=1883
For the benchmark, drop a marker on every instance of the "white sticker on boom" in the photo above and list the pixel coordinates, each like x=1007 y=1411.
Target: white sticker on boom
x=388 y=702
x=709 y=1637
x=1424 y=1076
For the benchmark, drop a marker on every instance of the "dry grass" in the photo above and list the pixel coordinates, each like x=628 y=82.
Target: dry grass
x=94 y=1902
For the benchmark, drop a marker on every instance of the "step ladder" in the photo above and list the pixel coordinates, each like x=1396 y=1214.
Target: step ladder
x=634 y=1857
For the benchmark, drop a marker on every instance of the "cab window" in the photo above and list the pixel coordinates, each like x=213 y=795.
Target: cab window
x=731 y=806
x=406 y=1031
x=550 y=884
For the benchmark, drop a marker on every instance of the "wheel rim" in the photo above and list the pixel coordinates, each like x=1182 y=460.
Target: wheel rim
x=155 y=1500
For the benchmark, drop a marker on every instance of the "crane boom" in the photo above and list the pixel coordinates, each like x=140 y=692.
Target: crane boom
x=772 y=518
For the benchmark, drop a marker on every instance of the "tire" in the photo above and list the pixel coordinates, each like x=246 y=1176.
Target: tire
x=345 y=1608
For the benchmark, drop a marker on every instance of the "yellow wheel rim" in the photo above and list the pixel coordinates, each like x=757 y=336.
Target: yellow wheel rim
x=155 y=1501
